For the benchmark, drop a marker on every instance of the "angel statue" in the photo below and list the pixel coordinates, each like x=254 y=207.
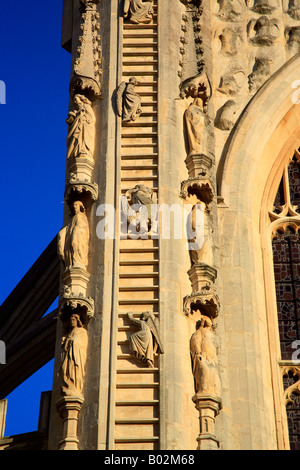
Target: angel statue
x=139 y=210
x=128 y=102
x=138 y=11
x=145 y=343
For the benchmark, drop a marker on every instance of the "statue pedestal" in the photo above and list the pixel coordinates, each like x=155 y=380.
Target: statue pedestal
x=198 y=164
x=81 y=167
x=200 y=275
x=68 y=408
x=209 y=407
x=76 y=279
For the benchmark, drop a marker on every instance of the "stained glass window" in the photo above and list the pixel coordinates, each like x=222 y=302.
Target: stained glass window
x=286 y=258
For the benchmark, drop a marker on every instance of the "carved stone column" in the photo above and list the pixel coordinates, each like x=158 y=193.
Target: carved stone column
x=209 y=407
x=68 y=409
x=202 y=305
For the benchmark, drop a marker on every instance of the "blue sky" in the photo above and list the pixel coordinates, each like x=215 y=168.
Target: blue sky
x=36 y=73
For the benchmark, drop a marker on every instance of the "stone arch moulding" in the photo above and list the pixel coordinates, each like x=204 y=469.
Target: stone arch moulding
x=265 y=136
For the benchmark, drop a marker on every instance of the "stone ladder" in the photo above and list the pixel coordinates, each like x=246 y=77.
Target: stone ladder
x=137 y=387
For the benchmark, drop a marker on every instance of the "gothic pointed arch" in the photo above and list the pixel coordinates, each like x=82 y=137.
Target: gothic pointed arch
x=250 y=170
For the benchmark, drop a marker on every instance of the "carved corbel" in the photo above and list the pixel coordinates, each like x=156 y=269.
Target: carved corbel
x=71 y=302
x=197 y=86
x=83 y=190
x=201 y=186
x=206 y=300
x=87 y=72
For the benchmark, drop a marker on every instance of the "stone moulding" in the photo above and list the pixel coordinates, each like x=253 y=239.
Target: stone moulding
x=191 y=48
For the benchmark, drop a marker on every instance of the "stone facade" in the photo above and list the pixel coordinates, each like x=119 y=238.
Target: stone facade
x=172 y=342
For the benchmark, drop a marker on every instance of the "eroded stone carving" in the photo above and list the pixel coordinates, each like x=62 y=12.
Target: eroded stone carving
x=73 y=357
x=145 y=343
x=231 y=82
x=230 y=40
x=81 y=131
x=264 y=7
x=292 y=35
x=128 y=101
x=204 y=358
x=231 y=10
x=294 y=9
x=263 y=31
x=73 y=240
x=227 y=115
x=261 y=73
x=138 y=11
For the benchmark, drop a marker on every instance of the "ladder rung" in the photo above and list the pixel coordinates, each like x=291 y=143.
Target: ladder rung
x=138 y=385
x=141 y=370
x=139 y=275
x=138 y=421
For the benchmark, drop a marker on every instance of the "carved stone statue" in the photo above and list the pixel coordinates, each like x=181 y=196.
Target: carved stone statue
x=204 y=358
x=81 y=132
x=195 y=229
x=128 y=101
x=73 y=357
x=195 y=121
x=73 y=240
x=138 y=11
x=146 y=342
